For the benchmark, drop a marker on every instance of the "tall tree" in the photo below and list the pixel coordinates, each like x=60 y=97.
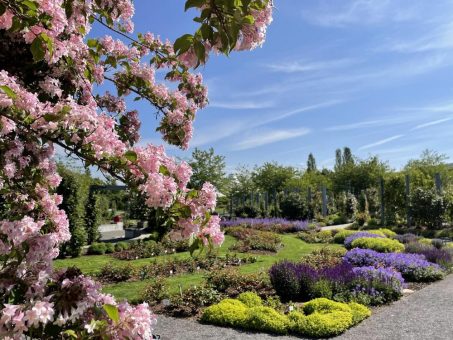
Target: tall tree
x=348 y=158
x=311 y=163
x=207 y=167
x=338 y=159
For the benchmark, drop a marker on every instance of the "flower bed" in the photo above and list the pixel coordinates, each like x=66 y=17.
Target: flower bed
x=413 y=267
x=278 y=225
x=370 y=285
x=113 y=274
x=254 y=240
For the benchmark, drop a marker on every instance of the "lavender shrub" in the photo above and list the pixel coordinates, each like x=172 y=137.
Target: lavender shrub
x=280 y=225
x=413 y=267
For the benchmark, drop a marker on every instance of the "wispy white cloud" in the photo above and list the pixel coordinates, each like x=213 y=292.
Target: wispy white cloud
x=380 y=142
x=432 y=123
x=438 y=38
x=445 y=107
x=279 y=116
x=363 y=12
x=245 y=105
x=218 y=130
x=269 y=137
x=307 y=66
x=387 y=121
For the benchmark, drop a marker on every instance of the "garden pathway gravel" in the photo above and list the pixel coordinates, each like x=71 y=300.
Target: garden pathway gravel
x=424 y=315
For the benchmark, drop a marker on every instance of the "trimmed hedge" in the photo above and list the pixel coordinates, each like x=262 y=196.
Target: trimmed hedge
x=382 y=245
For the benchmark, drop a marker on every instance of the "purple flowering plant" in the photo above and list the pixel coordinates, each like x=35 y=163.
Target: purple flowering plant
x=280 y=225
x=413 y=267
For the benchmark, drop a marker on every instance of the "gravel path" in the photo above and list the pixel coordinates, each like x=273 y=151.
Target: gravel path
x=424 y=315
x=339 y=226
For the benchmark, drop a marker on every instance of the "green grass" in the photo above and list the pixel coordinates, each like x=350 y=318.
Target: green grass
x=293 y=249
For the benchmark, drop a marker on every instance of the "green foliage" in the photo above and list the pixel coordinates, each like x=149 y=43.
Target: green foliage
x=232 y=282
x=272 y=177
x=74 y=189
x=228 y=312
x=250 y=299
x=383 y=245
x=427 y=208
x=97 y=248
x=254 y=240
x=109 y=248
x=207 y=167
x=121 y=246
x=156 y=291
x=343 y=234
x=359 y=312
x=311 y=163
x=314 y=236
x=294 y=207
x=324 y=257
x=267 y=319
x=110 y=273
x=93 y=216
x=326 y=318
x=321 y=288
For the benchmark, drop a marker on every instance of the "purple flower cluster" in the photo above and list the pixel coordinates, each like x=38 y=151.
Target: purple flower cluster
x=267 y=224
x=385 y=275
x=413 y=267
x=348 y=240
x=432 y=254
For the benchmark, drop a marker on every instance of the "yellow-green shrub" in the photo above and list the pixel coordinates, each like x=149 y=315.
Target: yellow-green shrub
x=382 y=245
x=359 y=312
x=382 y=232
x=322 y=318
x=324 y=305
x=426 y=241
x=250 y=299
x=322 y=325
x=341 y=235
x=228 y=312
x=267 y=319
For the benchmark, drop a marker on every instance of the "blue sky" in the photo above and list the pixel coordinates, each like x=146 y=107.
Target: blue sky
x=374 y=75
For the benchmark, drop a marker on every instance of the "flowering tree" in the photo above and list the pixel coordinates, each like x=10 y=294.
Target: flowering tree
x=48 y=70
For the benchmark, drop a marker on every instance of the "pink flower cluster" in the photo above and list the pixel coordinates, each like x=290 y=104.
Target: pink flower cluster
x=59 y=108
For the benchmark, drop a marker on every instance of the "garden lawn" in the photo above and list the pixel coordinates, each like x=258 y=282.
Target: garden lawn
x=293 y=249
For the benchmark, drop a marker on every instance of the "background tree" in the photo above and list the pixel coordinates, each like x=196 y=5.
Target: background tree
x=207 y=167
x=338 y=159
x=311 y=163
x=272 y=177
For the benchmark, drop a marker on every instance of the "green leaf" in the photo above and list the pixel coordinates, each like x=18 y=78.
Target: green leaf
x=194 y=246
x=182 y=44
x=51 y=118
x=10 y=93
x=30 y=4
x=200 y=51
x=112 y=312
x=37 y=49
x=193 y=3
x=164 y=171
x=131 y=155
x=71 y=333
x=248 y=19
x=48 y=41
